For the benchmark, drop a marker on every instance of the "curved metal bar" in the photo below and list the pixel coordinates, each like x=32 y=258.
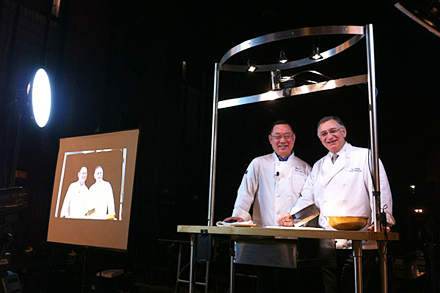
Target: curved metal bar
x=301 y=90
x=417 y=19
x=295 y=63
x=289 y=34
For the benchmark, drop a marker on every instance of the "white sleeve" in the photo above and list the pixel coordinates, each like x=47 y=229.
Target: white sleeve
x=110 y=200
x=385 y=195
x=65 y=210
x=307 y=197
x=246 y=192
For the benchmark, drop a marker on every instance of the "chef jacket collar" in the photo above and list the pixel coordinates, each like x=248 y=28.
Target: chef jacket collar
x=344 y=148
x=285 y=159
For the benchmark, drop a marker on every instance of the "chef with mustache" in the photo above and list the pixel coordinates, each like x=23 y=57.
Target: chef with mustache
x=341 y=184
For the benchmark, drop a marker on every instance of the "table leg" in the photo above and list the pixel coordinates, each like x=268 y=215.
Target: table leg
x=179 y=263
x=232 y=272
x=383 y=265
x=207 y=277
x=357 y=256
x=191 y=263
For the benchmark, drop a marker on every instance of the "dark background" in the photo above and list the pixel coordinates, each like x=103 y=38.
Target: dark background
x=119 y=65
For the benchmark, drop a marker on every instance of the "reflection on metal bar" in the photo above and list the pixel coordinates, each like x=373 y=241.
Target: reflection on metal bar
x=374 y=161
x=213 y=146
x=357 y=259
x=417 y=19
x=289 y=34
x=304 y=89
x=294 y=63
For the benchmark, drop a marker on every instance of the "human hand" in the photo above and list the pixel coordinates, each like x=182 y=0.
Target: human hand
x=286 y=220
x=233 y=219
x=371 y=228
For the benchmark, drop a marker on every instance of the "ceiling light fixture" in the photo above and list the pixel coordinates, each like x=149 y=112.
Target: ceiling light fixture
x=251 y=68
x=316 y=55
x=283 y=58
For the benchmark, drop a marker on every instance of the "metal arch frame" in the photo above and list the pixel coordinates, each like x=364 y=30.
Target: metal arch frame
x=359 y=32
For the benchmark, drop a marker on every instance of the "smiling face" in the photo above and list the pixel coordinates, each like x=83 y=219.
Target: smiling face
x=99 y=173
x=282 y=140
x=332 y=135
x=82 y=175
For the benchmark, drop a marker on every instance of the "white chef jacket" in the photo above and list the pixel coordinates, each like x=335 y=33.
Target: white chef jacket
x=273 y=186
x=345 y=189
x=102 y=200
x=74 y=205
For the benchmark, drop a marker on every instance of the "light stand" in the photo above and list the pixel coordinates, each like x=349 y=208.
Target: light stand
x=38 y=94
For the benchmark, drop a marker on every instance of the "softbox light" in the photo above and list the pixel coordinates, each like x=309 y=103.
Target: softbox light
x=41 y=99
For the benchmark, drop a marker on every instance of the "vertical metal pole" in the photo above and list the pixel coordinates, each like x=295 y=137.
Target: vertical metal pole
x=213 y=147
x=207 y=277
x=179 y=262
x=191 y=263
x=232 y=271
x=357 y=256
x=373 y=122
x=375 y=154
x=383 y=265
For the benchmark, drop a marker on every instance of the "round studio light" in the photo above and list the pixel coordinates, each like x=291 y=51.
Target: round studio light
x=41 y=97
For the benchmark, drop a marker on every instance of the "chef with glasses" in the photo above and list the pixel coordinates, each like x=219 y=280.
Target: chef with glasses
x=341 y=184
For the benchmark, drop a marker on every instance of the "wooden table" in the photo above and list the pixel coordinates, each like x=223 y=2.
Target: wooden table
x=289 y=233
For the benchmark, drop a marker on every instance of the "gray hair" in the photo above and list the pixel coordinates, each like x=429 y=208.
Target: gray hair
x=328 y=118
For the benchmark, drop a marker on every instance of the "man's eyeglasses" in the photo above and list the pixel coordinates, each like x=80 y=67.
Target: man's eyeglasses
x=330 y=131
x=285 y=136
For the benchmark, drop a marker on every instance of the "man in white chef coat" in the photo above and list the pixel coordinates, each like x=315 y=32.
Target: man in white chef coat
x=272 y=183
x=74 y=205
x=340 y=184
x=101 y=197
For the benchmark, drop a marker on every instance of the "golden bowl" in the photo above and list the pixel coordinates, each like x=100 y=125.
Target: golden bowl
x=348 y=223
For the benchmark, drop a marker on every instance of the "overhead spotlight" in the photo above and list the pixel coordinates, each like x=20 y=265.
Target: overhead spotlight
x=316 y=55
x=283 y=58
x=251 y=68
